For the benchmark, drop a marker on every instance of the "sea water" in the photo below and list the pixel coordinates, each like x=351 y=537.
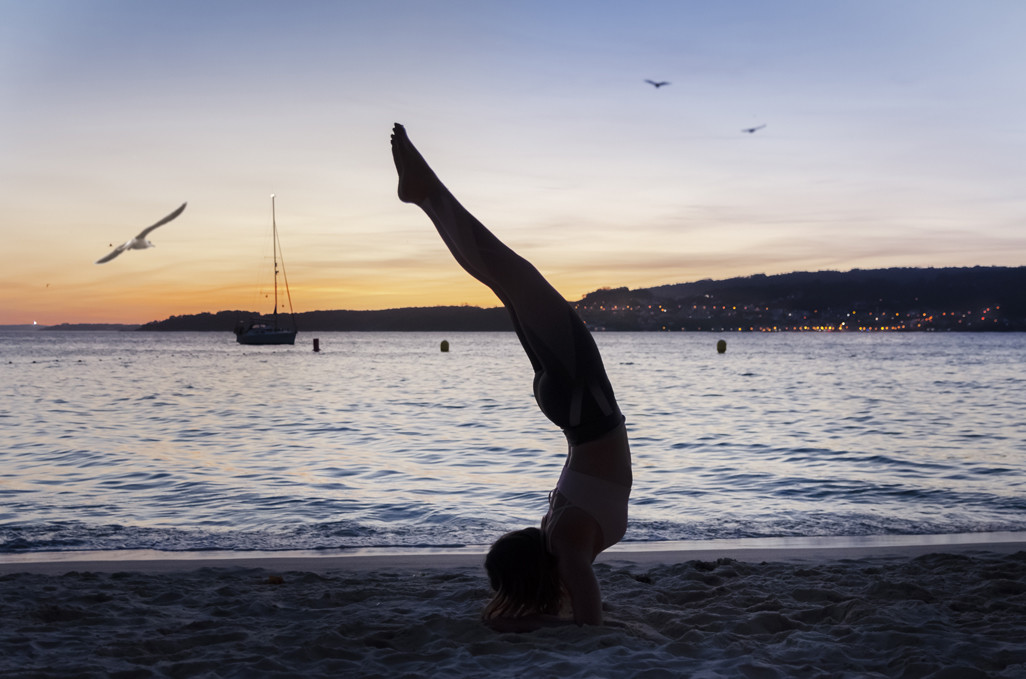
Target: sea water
x=189 y=441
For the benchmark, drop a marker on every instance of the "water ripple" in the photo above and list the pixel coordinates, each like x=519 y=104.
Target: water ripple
x=189 y=441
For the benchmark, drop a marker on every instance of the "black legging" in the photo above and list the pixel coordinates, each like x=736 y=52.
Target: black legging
x=570 y=382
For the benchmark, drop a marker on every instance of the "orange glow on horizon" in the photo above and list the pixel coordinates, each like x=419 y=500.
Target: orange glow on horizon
x=132 y=309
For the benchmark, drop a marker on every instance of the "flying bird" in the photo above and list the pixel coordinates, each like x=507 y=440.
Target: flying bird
x=753 y=130
x=655 y=84
x=140 y=242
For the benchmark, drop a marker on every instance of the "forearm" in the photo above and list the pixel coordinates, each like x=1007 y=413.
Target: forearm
x=581 y=584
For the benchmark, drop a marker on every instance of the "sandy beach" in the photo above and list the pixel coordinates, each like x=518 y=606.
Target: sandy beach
x=930 y=606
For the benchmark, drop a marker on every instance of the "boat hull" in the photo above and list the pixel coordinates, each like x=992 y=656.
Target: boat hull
x=260 y=336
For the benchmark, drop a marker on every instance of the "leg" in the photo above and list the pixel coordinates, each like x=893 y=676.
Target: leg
x=570 y=383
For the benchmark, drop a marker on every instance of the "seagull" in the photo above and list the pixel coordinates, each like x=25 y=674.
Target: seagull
x=655 y=84
x=140 y=242
x=753 y=130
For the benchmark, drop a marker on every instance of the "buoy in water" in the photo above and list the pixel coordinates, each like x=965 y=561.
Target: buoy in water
x=721 y=346
x=317 y=344
x=445 y=345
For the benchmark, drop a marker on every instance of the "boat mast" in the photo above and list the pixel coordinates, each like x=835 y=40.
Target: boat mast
x=274 y=250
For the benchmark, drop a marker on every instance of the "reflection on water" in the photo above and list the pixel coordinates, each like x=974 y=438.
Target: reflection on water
x=188 y=440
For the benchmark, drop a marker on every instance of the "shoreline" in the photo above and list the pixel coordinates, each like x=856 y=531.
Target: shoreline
x=749 y=550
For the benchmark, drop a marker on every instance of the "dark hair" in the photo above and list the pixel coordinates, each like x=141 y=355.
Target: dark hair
x=523 y=574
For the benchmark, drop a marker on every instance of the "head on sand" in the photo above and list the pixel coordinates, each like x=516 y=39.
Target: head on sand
x=523 y=574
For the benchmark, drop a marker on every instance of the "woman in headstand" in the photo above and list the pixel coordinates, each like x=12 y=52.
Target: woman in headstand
x=534 y=571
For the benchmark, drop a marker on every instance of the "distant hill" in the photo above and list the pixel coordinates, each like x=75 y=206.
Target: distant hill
x=897 y=287
x=976 y=298
x=91 y=326
x=451 y=318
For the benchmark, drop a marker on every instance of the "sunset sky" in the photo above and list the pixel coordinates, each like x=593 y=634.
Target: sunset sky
x=895 y=136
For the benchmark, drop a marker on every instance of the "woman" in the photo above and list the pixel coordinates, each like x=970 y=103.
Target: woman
x=535 y=570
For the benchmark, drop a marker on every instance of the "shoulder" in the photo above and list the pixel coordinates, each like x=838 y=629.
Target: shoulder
x=574 y=534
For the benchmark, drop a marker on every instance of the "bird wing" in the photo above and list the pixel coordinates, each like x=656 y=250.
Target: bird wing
x=114 y=253
x=165 y=220
x=142 y=234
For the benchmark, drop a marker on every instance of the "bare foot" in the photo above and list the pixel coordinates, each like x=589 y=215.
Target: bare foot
x=416 y=179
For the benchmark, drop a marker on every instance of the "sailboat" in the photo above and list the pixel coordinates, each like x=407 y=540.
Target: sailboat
x=259 y=332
